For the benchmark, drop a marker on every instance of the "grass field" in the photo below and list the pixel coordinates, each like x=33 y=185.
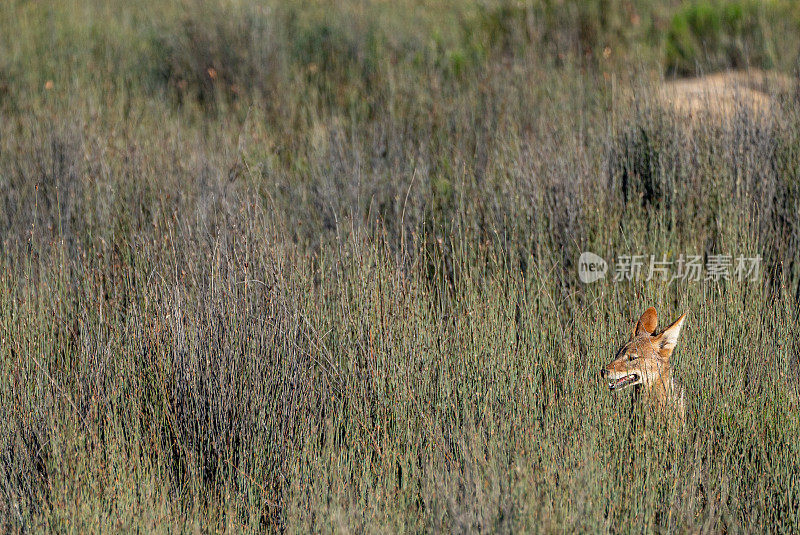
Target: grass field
x=272 y=266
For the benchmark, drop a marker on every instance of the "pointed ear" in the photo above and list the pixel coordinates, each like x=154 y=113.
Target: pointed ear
x=667 y=340
x=647 y=323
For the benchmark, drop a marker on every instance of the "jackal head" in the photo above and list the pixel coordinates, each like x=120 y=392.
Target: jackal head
x=644 y=359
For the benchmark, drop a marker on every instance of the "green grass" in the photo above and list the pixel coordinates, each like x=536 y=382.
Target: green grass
x=713 y=35
x=334 y=286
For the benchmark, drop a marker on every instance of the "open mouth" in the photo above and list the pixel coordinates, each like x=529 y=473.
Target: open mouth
x=622 y=382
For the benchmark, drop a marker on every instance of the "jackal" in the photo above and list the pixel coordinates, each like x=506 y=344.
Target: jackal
x=644 y=363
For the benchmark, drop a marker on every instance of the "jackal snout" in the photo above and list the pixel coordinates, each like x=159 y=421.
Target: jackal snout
x=644 y=362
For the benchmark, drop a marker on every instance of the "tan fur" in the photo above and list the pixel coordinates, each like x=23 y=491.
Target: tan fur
x=644 y=363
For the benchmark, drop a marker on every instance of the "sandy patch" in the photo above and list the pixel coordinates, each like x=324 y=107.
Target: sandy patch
x=719 y=97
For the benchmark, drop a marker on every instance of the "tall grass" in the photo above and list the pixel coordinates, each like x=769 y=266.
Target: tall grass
x=334 y=285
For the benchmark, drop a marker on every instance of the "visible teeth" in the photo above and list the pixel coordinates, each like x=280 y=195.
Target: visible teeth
x=622 y=381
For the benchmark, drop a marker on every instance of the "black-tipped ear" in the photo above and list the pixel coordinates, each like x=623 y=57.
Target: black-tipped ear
x=647 y=322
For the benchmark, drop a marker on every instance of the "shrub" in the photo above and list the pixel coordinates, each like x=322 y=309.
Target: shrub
x=713 y=35
x=338 y=59
x=217 y=51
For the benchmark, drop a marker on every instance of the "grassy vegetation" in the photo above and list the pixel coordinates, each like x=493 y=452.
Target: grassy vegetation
x=732 y=35
x=272 y=266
